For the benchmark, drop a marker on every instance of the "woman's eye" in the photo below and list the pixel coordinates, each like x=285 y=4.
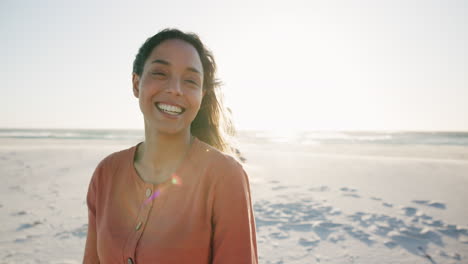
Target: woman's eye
x=158 y=73
x=192 y=82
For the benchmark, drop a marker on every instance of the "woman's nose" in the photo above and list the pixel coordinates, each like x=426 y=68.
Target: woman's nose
x=175 y=86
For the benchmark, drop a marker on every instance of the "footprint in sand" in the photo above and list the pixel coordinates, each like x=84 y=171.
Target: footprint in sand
x=279 y=235
x=454 y=231
x=422 y=230
x=349 y=192
x=438 y=205
x=409 y=211
x=454 y=256
x=387 y=204
x=309 y=242
x=352 y=195
x=19 y=213
x=79 y=232
x=413 y=232
x=25 y=239
x=359 y=234
x=419 y=216
x=28 y=225
x=279 y=188
x=319 y=189
x=296 y=227
x=325 y=228
x=390 y=244
x=335 y=238
x=346 y=189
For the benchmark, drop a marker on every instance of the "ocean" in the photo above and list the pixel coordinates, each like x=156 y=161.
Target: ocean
x=288 y=137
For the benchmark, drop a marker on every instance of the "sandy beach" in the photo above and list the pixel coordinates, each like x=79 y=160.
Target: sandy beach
x=314 y=203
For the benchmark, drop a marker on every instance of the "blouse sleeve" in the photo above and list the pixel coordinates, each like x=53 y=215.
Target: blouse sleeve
x=90 y=253
x=234 y=238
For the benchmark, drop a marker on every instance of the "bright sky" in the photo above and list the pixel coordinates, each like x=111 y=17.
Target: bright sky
x=330 y=65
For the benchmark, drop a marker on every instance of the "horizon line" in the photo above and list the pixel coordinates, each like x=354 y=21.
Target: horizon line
x=255 y=130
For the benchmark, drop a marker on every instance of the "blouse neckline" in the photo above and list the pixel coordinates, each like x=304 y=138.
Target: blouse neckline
x=177 y=172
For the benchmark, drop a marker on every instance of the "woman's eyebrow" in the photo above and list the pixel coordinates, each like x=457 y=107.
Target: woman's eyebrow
x=161 y=61
x=192 y=69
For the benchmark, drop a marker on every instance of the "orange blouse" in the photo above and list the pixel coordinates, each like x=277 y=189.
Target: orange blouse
x=203 y=214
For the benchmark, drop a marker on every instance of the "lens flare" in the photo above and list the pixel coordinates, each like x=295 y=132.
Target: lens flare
x=176 y=180
x=155 y=194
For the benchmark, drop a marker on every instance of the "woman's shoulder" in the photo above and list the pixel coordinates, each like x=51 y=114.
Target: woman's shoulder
x=216 y=159
x=224 y=171
x=116 y=159
x=222 y=168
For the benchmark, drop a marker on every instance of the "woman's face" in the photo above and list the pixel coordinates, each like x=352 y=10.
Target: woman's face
x=170 y=89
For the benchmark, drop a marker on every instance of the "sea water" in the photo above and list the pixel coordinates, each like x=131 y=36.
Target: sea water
x=292 y=137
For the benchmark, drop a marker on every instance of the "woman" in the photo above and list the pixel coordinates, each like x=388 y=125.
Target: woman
x=176 y=197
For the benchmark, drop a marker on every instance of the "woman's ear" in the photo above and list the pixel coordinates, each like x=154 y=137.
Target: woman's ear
x=135 y=84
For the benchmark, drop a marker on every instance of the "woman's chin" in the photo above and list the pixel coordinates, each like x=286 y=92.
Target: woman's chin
x=169 y=130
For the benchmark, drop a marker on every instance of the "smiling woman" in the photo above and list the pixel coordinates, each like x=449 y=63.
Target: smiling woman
x=176 y=197
x=169 y=88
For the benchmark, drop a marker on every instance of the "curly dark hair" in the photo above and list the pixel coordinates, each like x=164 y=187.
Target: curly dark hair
x=212 y=123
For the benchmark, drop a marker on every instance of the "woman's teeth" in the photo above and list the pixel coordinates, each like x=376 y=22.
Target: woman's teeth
x=170 y=109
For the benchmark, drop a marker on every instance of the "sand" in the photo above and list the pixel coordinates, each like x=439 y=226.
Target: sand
x=313 y=203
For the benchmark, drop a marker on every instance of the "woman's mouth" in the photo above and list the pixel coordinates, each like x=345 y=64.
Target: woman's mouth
x=170 y=109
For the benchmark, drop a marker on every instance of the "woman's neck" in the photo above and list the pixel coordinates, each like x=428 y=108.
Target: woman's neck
x=161 y=151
